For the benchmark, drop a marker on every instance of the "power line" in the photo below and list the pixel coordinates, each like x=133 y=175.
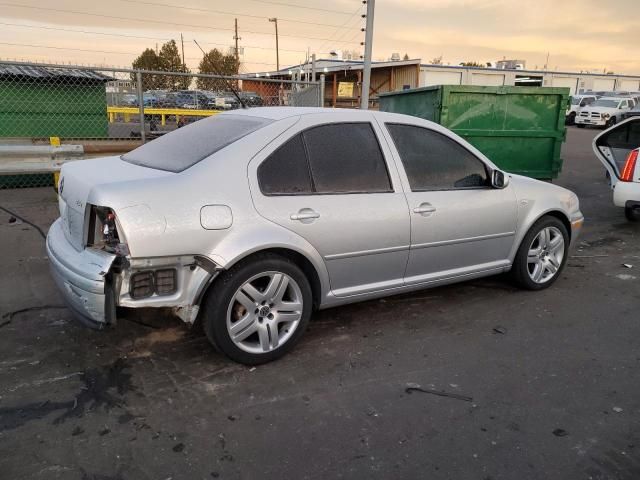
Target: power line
x=160 y=22
x=293 y=5
x=357 y=11
x=93 y=32
x=221 y=12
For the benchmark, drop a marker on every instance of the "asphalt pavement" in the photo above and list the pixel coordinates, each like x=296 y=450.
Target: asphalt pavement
x=478 y=380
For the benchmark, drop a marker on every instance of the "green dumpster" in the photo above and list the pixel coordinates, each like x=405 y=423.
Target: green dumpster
x=521 y=129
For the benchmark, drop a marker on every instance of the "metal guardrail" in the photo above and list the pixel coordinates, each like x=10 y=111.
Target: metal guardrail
x=128 y=112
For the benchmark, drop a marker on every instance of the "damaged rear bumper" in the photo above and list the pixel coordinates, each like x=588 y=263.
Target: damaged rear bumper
x=83 y=278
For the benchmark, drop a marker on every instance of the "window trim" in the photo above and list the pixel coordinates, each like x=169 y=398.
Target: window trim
x=308 y=163
x=487 y=169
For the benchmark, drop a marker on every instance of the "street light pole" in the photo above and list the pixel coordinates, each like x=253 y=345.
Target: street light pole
x=368 y=44
x=275 y=20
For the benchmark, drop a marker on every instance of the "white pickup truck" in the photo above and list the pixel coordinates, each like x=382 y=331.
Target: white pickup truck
x=618 y=149
x=577 y=103
x=604 y=112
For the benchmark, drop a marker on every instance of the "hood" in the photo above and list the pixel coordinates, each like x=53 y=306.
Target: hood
x=599 y=109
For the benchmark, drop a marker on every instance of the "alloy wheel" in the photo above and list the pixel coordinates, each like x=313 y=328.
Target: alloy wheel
x=264 y=312
x=545 y=255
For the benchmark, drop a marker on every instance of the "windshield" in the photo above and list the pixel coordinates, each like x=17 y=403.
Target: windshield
x=606 y=103
x=186 y=146
x=575 y=100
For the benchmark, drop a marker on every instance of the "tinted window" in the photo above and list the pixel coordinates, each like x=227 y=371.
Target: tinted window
x=435 y=162
x=286 y=171
x=346 y=158
x=183 y=148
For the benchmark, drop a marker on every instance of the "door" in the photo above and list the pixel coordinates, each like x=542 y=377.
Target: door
x=331 y=184
x=459 y=223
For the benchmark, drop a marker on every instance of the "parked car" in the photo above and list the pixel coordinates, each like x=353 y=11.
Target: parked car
x=617 y=148
x=249 y=220
x=191 y=99
x=604 y=112
x=223 y=101
x=128 y=100
x=634 y=112
x=251 y=99
x=577 y=103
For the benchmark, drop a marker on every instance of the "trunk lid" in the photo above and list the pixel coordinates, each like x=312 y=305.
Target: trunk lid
x=612 y=147
x=79 y=178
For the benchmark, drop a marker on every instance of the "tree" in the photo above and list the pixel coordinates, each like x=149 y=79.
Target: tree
x=148 y=60
x=216 y=63
x=170 y=61
x=472 y=64
x=436 y=61
x=406 y=56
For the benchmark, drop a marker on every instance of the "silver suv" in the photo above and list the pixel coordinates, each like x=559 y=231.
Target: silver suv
x=250 y=220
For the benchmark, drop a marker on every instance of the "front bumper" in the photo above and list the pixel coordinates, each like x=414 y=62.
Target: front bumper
x=600 y=122
x=82 y=278
x=577 y=221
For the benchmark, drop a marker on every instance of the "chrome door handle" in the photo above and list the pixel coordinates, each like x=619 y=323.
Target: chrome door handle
x=305 y=214
x=424 y=208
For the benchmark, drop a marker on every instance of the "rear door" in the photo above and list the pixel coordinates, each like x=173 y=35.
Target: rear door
x=334 y=184
x=612 y=147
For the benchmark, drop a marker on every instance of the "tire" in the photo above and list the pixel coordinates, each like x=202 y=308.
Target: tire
x=571 y=120
x=580 y=125
x=280 y=314
x=632 y=214
x=538 y=275
x=611 y=122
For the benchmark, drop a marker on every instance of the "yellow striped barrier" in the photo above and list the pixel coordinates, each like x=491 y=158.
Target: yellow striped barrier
x=126 y=112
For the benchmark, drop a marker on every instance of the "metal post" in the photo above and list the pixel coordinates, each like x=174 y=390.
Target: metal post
x=368 y=44
x=321 y=90
x=313 y=67
x=275 y=20
x=143 y=133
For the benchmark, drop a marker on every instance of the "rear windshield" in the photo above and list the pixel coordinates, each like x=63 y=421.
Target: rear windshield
x=186 y=146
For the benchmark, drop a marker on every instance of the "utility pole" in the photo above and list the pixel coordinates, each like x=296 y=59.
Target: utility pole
x=368 y=44
x=236 y=38
x=275 y=20
x=184 y=65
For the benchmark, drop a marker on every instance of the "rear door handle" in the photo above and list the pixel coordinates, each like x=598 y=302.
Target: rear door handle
x=305 y=214
x=424 y=209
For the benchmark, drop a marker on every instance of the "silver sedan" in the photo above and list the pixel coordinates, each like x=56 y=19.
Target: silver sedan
x=250 y=220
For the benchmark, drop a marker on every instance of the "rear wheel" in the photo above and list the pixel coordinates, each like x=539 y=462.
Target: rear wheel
x=258 y=310
x=632 y=213
x=542 y=254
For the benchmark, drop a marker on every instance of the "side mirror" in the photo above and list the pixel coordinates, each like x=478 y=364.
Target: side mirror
x=499 y=179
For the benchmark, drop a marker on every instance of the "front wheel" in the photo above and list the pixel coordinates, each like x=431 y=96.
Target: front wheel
x=611 y=122
x=632 y=214
x=542 y=254
x=258 y=310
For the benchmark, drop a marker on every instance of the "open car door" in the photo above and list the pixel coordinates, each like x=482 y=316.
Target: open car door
x=614 y=145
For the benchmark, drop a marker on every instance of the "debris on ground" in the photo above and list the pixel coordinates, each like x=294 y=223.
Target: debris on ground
x=559 y=432
x=178 y=447
x=414 y=387
x=627 y=265
x=500 y=330
x=617 y=409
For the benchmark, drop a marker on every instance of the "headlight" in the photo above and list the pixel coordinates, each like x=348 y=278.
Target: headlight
x=605 y=115
x=573 y=203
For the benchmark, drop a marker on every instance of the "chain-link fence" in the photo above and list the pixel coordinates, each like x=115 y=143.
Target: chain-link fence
x=104 y=111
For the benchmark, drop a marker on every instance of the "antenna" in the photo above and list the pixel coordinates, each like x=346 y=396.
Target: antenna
x=229 y=84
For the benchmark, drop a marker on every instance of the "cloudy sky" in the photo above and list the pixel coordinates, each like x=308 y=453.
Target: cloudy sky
x=589 y=35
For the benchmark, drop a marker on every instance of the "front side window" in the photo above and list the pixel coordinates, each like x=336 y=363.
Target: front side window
x=433 y=161
x=327 y=159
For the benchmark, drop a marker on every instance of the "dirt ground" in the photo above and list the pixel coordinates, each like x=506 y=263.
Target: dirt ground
x=547 y=384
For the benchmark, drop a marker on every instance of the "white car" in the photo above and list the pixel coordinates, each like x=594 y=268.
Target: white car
x=604 y=112
x=577 y=103
x=617 y=148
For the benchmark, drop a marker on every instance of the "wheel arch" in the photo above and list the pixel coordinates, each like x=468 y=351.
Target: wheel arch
x=552 y=212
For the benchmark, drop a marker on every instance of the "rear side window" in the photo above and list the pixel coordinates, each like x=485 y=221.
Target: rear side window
x=186 y=146
x=433 y=161
x=286 y=171
x=332 y=158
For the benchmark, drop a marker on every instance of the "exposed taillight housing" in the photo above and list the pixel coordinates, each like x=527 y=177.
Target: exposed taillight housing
x=629 y=166
x=146 y=283
x=103 y=231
